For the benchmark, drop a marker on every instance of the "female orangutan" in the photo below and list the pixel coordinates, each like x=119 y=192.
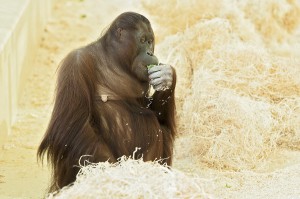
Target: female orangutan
x=102 y=108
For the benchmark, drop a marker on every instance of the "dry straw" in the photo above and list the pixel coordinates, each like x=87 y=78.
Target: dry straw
x=132 y=179
x=238 y=91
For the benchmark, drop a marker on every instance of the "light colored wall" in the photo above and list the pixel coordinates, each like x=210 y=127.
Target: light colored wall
x=21 y=25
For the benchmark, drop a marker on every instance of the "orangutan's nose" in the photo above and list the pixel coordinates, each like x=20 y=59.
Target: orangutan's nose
x=150 y=53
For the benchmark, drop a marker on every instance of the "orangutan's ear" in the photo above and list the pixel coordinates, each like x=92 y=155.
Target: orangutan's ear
x=119 y=32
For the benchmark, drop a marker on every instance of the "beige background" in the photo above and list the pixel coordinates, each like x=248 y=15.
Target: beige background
x=21 y=25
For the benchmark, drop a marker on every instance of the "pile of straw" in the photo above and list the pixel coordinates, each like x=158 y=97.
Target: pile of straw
x=132 y=179
x=238 y=91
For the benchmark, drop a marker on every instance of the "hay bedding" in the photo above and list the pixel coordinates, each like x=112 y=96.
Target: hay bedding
x=238 y=87
x=265 y=185
x=132 y=179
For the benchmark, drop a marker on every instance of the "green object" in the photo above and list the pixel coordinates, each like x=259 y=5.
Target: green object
x=227 y=186
x=150 y=66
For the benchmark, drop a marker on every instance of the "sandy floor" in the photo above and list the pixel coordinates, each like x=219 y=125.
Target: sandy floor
x=76 y=23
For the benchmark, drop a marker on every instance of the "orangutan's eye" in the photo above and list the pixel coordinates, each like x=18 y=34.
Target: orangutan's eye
x=143 y=39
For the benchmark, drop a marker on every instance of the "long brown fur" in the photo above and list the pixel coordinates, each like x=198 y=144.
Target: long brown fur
x=83 y=124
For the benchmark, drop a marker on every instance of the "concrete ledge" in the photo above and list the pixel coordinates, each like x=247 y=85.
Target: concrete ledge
x=21 y=25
